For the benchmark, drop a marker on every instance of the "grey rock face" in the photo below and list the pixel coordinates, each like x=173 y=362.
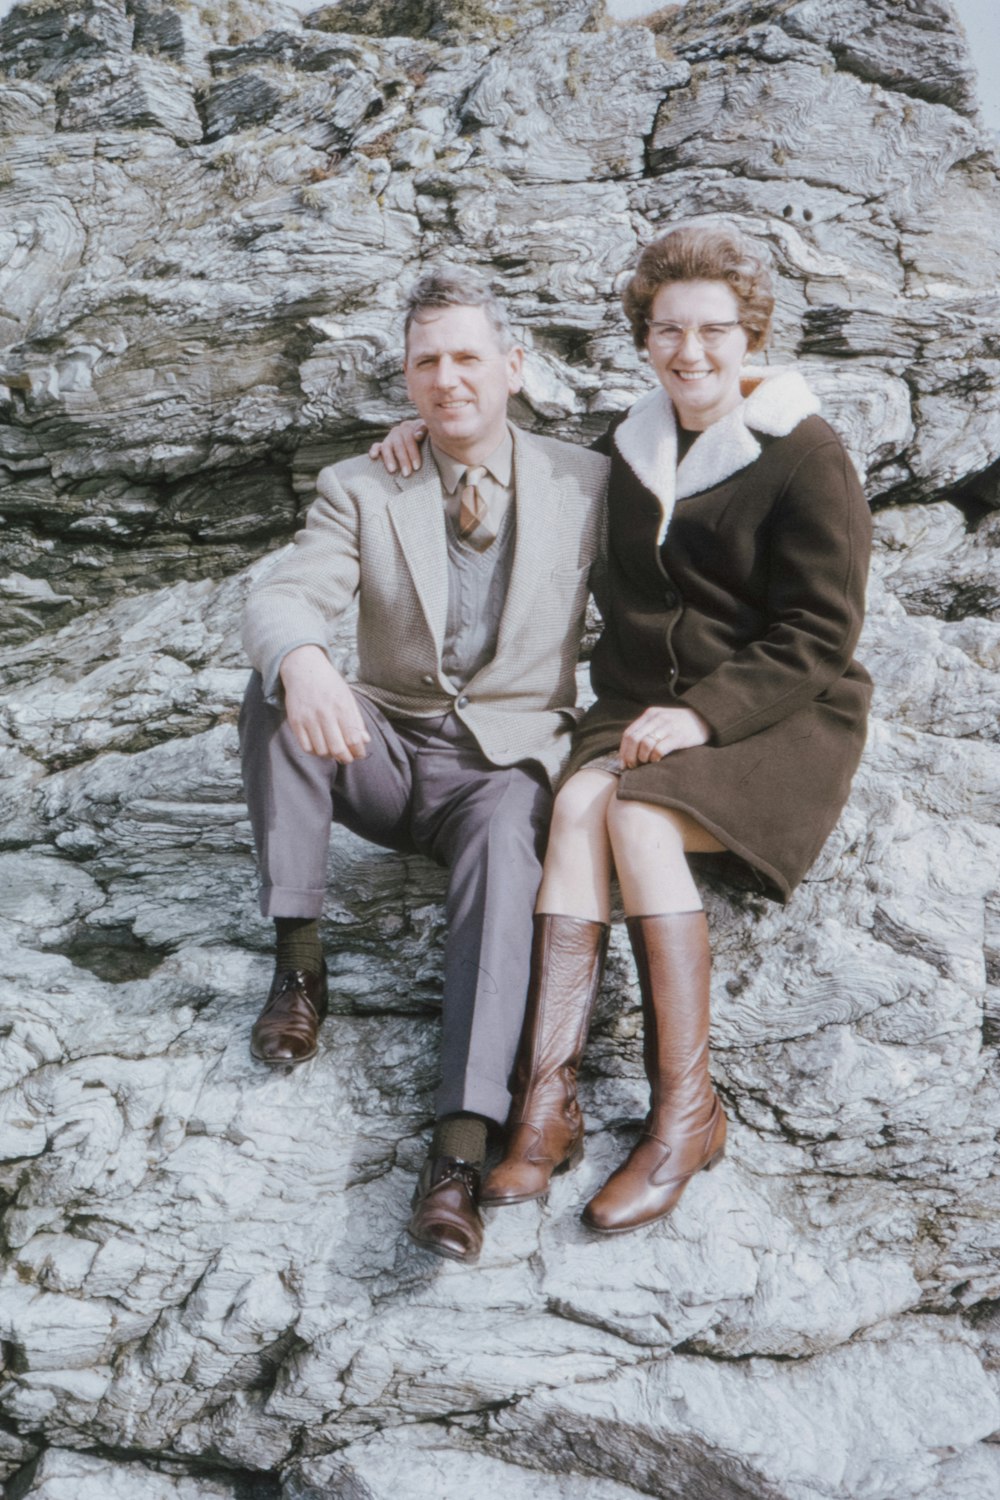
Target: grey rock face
x=205 y=1290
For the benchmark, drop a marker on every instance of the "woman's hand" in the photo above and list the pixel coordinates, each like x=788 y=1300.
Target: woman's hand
x=658 y=732
x=400 y=448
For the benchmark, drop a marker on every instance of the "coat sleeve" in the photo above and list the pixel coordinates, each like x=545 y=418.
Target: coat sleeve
x=297 y=602
x=820 y=542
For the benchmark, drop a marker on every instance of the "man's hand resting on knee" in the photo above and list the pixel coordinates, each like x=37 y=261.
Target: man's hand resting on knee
x=320 y=707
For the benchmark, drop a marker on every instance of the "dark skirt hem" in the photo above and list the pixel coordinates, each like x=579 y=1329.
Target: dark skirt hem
x=713 y=792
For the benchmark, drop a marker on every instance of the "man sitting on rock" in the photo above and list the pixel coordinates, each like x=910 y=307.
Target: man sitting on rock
x=472 y=577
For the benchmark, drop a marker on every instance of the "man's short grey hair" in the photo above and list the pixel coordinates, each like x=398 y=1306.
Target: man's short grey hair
x=447 y=286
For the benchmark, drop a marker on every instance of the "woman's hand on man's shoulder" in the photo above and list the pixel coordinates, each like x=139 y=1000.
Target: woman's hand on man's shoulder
x=400 y=448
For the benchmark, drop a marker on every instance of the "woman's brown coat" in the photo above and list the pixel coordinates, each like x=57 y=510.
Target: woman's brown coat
x=748 y=613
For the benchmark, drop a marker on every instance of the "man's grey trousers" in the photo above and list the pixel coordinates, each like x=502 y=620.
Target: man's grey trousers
x=424 y=787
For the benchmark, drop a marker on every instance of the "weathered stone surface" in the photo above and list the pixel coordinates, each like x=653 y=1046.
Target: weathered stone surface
x=691 y=1411
x=545 y=114
x=205 y=1288
x=63 y=1475
x=412 y=1459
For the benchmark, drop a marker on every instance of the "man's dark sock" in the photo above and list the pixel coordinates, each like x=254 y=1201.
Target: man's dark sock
x=461 y=1135
x=298 y=944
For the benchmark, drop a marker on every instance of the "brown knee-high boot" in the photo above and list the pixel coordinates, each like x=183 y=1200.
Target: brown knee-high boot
x=685 y=1130
x=545 y=1126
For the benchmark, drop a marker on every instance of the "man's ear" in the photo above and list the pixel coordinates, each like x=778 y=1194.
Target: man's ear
x=515 y=370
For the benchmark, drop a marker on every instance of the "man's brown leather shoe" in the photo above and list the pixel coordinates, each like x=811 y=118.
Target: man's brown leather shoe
x=285 y=1032
x=446 y=1218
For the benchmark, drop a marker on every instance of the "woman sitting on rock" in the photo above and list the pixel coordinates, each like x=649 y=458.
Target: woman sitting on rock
x=730 y=715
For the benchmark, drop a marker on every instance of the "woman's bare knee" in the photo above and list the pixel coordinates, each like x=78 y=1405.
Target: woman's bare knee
x=649 y=845
x=577 y=873
x=582 y=804
x=649 y=822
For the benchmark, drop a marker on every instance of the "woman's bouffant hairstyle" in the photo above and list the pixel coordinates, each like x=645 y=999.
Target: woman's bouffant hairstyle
x=703 y=254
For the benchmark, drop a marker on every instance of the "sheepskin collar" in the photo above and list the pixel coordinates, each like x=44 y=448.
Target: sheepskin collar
x=774 y=402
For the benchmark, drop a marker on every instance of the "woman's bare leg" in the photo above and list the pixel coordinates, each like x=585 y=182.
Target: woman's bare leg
x=589 y=825
x=576 y=880
x=685 y=1130
x=649 y=845
x=545 y=1128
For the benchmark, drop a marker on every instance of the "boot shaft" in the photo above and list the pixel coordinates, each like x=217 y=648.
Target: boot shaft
x=567 y=960
x=674 y=966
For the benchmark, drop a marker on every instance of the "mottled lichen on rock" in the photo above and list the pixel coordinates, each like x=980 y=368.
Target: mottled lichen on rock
x=434 y=19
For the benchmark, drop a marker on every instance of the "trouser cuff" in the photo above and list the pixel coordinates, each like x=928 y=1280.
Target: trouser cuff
x=286 y=901
x=474 y=1096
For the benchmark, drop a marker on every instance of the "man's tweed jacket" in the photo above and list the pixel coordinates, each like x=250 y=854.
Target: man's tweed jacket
x=382 y=538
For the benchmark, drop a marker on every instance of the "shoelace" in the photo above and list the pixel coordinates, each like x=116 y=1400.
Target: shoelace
x=460 y=1171
x=292 y=979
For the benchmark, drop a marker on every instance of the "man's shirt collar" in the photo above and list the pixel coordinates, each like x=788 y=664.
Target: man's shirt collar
x=499 y=465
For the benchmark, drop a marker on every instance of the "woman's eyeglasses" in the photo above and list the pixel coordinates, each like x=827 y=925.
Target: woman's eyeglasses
x=709 y=335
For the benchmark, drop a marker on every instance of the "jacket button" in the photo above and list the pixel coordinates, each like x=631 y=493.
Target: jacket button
x=428 y=679
x=462 y=702
x=669 y=598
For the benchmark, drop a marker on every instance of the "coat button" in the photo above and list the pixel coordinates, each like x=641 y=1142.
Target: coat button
x=462 y=702
x=428 y=679
x=669 y=598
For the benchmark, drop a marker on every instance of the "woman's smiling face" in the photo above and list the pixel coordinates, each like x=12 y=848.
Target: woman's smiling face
x=703 y=384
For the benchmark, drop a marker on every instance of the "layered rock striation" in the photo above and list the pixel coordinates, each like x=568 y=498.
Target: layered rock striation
x=206 y=217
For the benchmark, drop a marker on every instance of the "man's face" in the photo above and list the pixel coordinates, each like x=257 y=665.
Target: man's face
x=459 y=379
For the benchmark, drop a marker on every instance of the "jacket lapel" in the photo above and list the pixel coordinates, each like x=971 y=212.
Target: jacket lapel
x=722 y=450
x=647 y=441
x=537 y=500
x=417 y=516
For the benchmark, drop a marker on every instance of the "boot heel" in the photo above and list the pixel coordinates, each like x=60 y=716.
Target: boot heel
x=713 y=1161
x=574 y=1159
